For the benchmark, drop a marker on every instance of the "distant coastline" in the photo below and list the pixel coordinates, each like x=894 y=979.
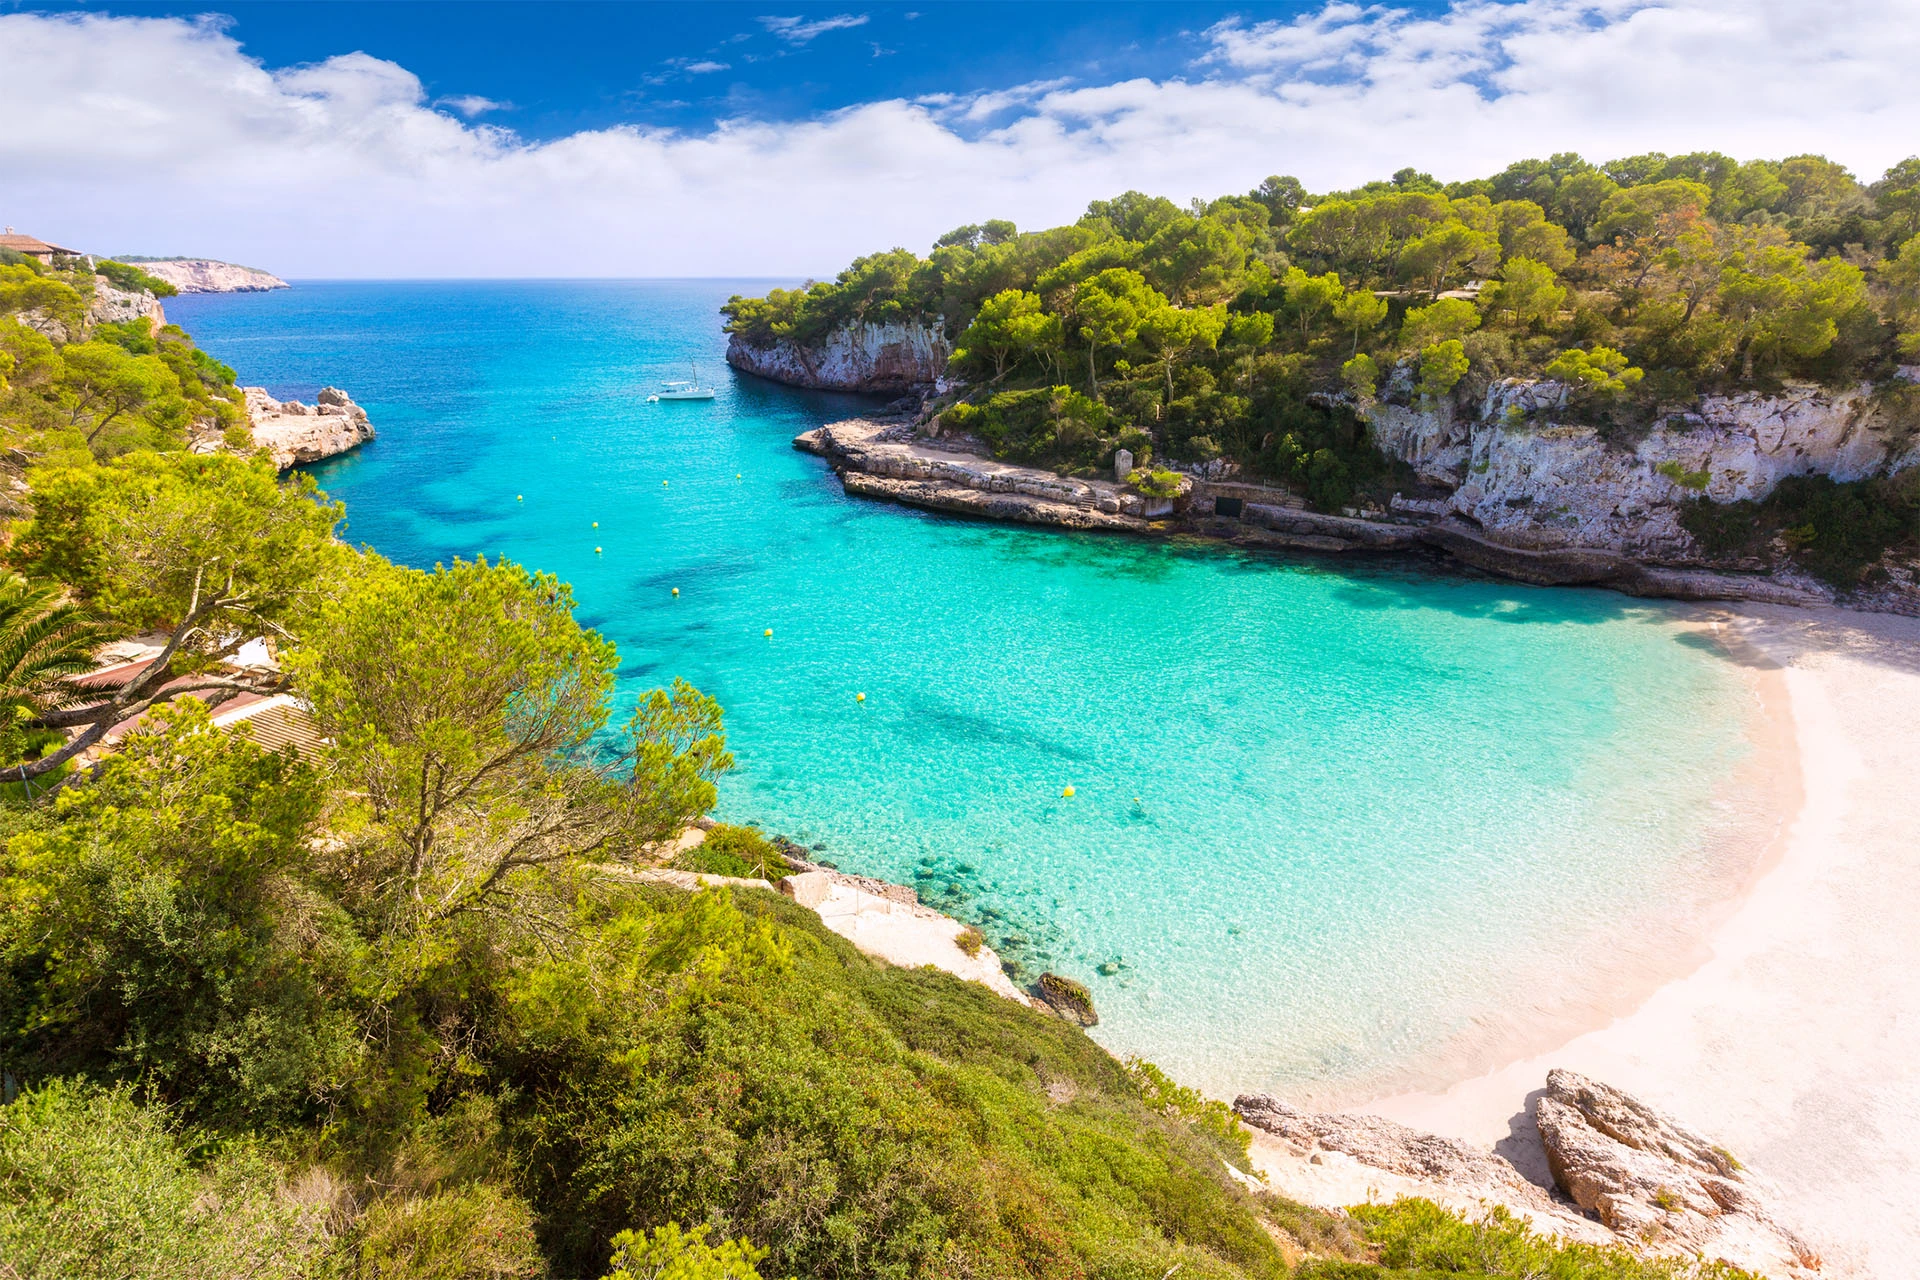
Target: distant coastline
x=208 y=275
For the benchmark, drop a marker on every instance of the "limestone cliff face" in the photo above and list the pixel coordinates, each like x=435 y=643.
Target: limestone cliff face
x=1536 y=481
x=886 y=359
x=204 y=275
x=111 y=305
x=108 y=305
x=295 y=433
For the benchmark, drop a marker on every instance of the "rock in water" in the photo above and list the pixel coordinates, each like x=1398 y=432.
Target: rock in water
x=1068 y=999
x=295 y=433
x=1648 y=1178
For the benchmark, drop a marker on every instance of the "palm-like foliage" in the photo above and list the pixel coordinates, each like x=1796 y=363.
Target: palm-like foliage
x=45 y=641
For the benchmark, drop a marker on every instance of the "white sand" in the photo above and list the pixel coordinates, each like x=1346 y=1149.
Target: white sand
x=1797 y=1044
x=909 y=935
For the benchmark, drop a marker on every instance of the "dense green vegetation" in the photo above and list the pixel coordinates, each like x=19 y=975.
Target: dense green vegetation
x=1246 y=326
x=71 y=388
x=400 y=1008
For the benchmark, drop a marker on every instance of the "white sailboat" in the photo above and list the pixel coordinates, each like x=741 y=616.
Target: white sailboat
x=682 y=390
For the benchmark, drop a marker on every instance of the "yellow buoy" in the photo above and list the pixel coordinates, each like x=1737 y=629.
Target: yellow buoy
x=767 y=632
x=736 y=475
x=596 y=524
x=676 y=591
x=596 y=551
x=859 y=697
x=519 y=497
x=663 y=484
x=1066 y=792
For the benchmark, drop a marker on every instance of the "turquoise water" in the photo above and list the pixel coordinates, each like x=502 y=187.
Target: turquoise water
x=1329 y=824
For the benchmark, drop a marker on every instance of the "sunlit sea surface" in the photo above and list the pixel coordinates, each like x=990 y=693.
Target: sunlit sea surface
x=1331 y=823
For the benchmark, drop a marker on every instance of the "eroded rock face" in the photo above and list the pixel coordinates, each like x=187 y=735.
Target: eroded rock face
x=295 y=433
x=1393 y=1147
x=881 y=358
x=1650 y=1179
x=1535 y=481
x=204 y=275
x=112 y=305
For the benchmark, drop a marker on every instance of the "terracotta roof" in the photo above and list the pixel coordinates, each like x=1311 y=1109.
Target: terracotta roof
x=30 y=244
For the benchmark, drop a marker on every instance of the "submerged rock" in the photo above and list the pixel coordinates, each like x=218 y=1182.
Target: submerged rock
x=1067 y=998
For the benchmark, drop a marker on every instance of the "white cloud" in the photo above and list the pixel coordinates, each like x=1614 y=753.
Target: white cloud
x=706 y=67
x=799 y=30
x=125 y=133
x=471 y=104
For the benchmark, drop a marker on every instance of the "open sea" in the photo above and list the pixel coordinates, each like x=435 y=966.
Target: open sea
x=1337 y=827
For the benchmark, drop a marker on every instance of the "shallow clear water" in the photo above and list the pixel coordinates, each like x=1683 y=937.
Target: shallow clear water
x=1326 y=823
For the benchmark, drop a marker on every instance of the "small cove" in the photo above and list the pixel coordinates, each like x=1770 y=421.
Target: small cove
x=1327 y=823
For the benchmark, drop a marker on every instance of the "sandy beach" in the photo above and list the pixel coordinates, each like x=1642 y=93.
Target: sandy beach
x=1797 y=1042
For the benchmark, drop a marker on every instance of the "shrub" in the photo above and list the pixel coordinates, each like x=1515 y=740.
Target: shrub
x=1442 y=365
x=1361 y=376
x=124 y=275
x=672 y=1254
x=1837 y=531
x=970 y=940
x=1686 y=479
x=1599 y=372
x=735 y=851
x=1417 y=1238
x=92 y=1184
x=1155 y=482
x=473 y=1232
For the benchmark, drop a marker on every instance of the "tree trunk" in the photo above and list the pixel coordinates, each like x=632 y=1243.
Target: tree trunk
x=1093 y=378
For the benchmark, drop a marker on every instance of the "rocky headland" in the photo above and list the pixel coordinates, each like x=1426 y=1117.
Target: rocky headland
x=205 y=275
x=295 y=433
x=1510 y=482
x=910 y=460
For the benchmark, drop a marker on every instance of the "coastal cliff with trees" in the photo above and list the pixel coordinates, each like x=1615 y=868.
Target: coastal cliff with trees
x=399 y=1000
x=1685 y=360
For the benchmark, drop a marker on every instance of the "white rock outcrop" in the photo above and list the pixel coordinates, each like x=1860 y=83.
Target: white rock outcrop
x=205 y=275
x=1585 y=1162
x=113 y=305
x=1524 y=475
x=1652 y=1180
x=295 y=433
x=884 y=358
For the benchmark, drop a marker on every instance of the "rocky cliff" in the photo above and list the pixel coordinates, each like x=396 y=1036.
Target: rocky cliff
x=204 y=275
x=886 y=359
x=112 y=305
x=108 y=305
x=295 y=433
x=1523 y=473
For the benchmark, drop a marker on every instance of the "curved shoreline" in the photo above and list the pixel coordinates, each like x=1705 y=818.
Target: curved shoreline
x=1787 y=1040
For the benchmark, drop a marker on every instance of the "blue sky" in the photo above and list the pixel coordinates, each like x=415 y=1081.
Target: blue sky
x=400 y=140
x=562 y=67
